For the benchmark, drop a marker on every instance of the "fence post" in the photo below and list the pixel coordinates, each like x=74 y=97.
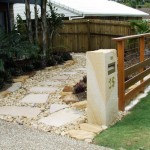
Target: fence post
x=88 y=30
x=121 y=76
x=142 y=47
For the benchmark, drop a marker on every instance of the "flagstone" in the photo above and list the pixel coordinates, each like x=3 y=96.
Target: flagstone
x=57 y=107
x=60 y=77
x=15 y=86
x=69 y=73
x=40 y=89
x=51 y=83
x=61 y=118
x=35 y=98
x=19 y=111
x=81 y=69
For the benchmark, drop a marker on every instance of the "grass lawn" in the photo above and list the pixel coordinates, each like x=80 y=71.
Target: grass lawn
x=132 y=132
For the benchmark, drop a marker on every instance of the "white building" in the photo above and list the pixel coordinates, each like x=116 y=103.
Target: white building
x=75 y=9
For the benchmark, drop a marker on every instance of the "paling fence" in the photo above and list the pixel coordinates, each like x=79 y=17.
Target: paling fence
x=133 y=66
x=92 y=34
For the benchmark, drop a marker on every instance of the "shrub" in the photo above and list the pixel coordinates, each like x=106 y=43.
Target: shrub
x=81 y=86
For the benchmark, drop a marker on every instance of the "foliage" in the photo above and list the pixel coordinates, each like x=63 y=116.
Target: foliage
x=21 y=27
x=132 y=132
x=133 y=3
x=81 y=86
x=2 y=73
x=54 y=21
x=140 y=26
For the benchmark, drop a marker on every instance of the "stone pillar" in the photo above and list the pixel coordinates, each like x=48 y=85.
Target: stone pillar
x=102 y=86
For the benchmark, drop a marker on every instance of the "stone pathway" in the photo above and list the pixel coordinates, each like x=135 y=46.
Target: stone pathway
x=44 y=101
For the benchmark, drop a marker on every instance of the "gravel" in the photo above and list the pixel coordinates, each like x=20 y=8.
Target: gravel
x=16 y=137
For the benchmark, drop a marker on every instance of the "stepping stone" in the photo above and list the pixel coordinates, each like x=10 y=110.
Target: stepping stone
x=51 y=83
x=70 y=73
x=68 y=97
x=61 y=117
x=91 y=128
x=57 y=107
x=60 y=78
x=35 y=98
x=19 y=111
x=15 y=87
x=81 y=134
x=80 y=105
x=40 y=89
x=81 y=69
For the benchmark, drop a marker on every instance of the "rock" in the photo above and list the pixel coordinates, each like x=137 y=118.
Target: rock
x=69 y=63
x=63 y=133
x=104 y=127
x=4 y=94
x=65 y=93
x=81 y=134
x=67 y=89
x=70 y=98
x=80 y=105
x=21 y=79
x=91 y=128
x=16 y=86
x=88 y=140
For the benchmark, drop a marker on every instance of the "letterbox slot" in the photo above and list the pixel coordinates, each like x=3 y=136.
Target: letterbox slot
x=111 y=68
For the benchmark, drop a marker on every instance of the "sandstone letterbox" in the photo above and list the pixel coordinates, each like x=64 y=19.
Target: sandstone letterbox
x=102 y=86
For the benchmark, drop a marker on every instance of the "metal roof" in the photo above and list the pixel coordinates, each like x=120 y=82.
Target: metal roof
x=99 y=8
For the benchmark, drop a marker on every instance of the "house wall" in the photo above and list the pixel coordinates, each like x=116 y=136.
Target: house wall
x=3 y=16
x=6 y=16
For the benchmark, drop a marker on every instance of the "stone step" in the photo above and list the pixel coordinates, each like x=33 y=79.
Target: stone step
x=60 y=78
x=57 y=107
x=15 y=86
x=35 y=98
x=91 y=128
x=81 y=134
x=19 y=111
x=61 y=117
x=51 y=83
x=40 y=89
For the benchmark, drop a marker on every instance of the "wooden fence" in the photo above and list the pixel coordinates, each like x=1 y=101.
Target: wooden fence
x=84 y=35
x=142 y=70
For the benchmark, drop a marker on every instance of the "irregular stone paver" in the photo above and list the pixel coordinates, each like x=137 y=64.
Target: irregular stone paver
x=19 y=111
x=81 y=134
x=57 y=107
x=91 y=128
x=81 y=69
x=60 y=78
x=35 y=98
x=70 y=73
x=61 y=117
x=15 y=86
x=51 y=83
x=38 y=89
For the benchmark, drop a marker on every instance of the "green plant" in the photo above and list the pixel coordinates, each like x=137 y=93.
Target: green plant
x=54 y=22
x=2 y=73
x=81 y=86
x=140 y=26
x=132 y=132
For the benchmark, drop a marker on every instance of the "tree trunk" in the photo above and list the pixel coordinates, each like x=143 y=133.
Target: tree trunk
x=44 y=27
x=36 y=22
x=28 y=20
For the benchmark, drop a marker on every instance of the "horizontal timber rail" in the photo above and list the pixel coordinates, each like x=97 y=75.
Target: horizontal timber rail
x=133 y=79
